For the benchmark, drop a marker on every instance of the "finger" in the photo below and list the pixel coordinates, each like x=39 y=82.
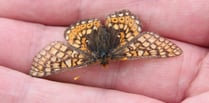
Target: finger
x=15 y=42
x=200 y=83
x=25 y=89
x=203 y=98
x=178 y=20
x=144 y=75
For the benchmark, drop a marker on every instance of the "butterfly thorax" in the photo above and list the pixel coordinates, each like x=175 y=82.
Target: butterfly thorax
x=101 y=43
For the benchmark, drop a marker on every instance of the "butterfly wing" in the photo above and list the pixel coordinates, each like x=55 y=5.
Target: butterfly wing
x=127 y=24
x=149 y=45
x=134 y=43
x=76 y=34
x=57 y=57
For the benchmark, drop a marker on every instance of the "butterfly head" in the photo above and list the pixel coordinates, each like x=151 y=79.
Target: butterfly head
x=103 y=58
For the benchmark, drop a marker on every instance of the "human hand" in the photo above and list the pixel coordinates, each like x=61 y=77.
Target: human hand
x=28 y=26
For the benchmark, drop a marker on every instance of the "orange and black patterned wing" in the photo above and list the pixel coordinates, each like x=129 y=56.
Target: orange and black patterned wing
x=126 y=23
x=76 y=34
x=149 y=45
x=57 y=57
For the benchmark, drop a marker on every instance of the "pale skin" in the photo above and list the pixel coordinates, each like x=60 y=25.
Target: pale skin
x=28 y=26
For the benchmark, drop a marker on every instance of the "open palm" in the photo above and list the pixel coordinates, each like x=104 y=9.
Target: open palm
x=28 y=26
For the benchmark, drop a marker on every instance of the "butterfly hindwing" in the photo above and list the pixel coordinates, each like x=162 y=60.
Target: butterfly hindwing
x=76 y=34
x=57 y=57
x=127 y=24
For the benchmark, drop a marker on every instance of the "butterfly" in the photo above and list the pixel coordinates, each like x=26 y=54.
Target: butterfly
x=89 y=41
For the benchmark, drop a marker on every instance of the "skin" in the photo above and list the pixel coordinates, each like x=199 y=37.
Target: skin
x=29 y=25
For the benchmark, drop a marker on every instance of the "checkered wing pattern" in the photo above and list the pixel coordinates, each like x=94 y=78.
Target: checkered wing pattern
x=88 y=41
x=56 y=57
x=76 y=34
x=126 y=23
x=149 y=45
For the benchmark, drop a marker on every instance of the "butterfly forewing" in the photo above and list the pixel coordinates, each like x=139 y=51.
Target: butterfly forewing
x=57 y=57
x=149 y=45
x=76 y=34
x=126 y=23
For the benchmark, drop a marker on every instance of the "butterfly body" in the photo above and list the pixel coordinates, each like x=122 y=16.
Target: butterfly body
x=101 y=44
